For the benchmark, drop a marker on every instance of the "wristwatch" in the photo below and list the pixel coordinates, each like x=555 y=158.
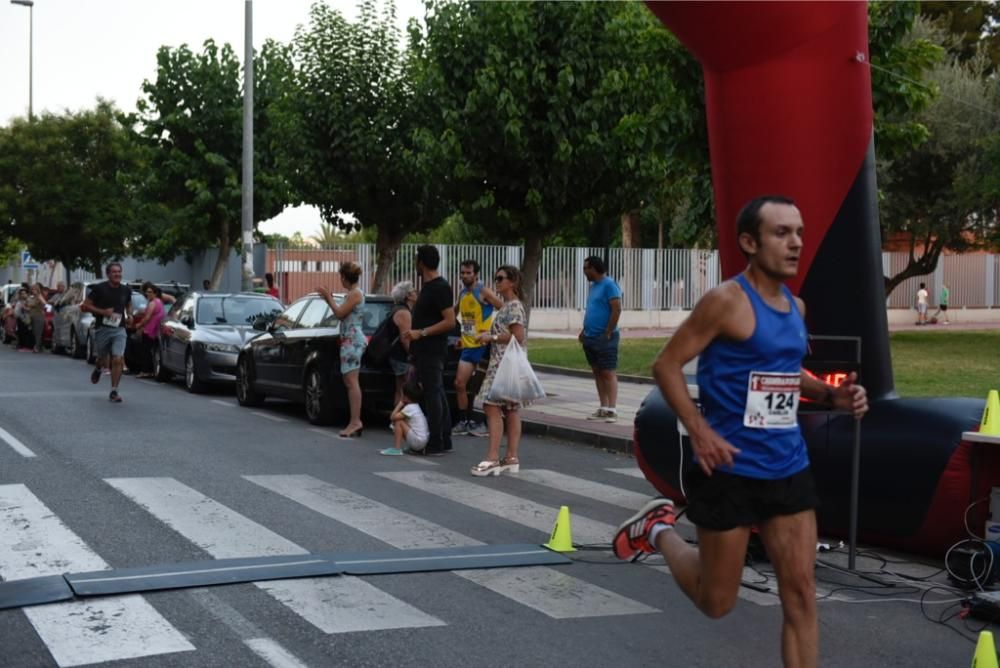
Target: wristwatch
x=493 y=338
x=423 y=332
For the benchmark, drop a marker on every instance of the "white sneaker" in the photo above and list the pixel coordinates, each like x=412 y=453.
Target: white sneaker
x=599 y=414
x=611 y=416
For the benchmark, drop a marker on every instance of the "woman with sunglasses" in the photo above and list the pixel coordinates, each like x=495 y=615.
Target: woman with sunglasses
x=508 y=323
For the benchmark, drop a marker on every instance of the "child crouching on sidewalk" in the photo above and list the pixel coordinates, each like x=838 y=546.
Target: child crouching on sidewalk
x=409 y=425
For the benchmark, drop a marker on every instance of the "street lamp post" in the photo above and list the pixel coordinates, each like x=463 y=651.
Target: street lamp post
x=247 y=217
x=30 y=4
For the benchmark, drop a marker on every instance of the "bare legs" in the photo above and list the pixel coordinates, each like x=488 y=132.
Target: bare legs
x=606 y=381
x=462 y=376
x=710 y=576
x=353 y=385
x=495 y=420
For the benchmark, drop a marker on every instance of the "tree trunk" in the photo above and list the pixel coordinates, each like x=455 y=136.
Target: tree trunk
x=917 y=266
x=529 y=270
x=631 y=232
x=386 y=250
x=225 y=245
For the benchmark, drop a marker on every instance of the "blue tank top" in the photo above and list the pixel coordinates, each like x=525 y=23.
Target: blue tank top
x=749 y=390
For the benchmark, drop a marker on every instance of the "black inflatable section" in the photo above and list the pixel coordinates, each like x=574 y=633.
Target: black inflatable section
x=906 y=447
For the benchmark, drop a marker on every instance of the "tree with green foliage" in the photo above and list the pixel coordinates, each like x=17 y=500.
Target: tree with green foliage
x=351 y=128
x=191 y=119
x=63 y=186
x=557 y=115
x=929 y=191
x=972 y=27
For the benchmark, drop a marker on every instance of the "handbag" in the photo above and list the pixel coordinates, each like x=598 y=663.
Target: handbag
x=515 y=381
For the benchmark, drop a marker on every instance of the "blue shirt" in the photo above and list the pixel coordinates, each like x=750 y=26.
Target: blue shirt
x=767 y=365
x=595 y=320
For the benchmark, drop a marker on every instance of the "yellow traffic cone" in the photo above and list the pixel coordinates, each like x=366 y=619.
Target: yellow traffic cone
x=991 y=415
x=986 y=651
x=561 y=539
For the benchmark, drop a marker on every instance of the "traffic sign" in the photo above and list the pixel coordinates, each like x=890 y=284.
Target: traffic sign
x=28 y=262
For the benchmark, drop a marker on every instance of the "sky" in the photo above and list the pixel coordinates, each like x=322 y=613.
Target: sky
x=85 y=49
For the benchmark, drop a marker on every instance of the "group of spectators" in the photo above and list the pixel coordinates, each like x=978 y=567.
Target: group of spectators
x=27 y=309
x=421 y=322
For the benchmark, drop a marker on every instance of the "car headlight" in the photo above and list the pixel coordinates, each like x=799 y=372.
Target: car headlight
x=221 y=348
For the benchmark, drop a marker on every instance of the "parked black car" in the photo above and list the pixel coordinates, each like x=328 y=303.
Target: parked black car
x=298 y=358
x=203 y=333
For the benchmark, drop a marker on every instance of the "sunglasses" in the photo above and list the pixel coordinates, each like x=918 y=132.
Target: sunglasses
x=501 y=277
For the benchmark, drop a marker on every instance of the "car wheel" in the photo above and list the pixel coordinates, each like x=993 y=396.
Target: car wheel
x=319 y=400
x=161 y=372
x=75 y=351
x=91 y=358
x=191 y=381
x=246 y=395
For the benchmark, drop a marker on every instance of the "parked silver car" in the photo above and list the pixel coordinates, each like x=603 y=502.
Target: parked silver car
x=204 y=332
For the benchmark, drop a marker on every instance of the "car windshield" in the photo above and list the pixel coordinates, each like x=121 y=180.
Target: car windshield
x=234 y=309
x=372 y=314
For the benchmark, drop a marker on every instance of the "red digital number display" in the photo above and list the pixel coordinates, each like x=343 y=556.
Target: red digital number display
x=835 y=378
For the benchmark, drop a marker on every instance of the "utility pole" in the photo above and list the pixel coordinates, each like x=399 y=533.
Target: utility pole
x=247 y=219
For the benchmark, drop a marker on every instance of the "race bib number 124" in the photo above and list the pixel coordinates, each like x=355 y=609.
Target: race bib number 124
x=772 y=400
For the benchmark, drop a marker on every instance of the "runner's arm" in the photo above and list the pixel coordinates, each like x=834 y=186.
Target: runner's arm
x=489 y=297
x=706 y=322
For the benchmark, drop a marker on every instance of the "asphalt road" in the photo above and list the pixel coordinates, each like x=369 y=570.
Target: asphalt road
x=169 y=477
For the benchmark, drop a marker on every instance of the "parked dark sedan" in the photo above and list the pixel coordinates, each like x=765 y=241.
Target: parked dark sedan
x=203 y=333
x=298 y=358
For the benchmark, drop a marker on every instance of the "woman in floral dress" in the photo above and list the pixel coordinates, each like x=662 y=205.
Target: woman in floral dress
x=508 y=323
x=352 y=341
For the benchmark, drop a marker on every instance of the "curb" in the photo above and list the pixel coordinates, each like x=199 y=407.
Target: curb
x=577 y=436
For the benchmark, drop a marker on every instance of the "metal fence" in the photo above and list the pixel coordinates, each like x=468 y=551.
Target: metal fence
x=973 y=280
x=650 y=279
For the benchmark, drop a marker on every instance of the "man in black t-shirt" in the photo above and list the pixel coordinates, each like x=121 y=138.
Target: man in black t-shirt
x=111 y=304
x=433 y=321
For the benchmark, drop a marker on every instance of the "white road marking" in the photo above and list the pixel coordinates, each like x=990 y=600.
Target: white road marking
x=614 y=496
x=33 y=543
x=267 y=649
x=273 y=653
x=227 y=404
x=332 y=604
x=267 y=416
x=632 y=472
x=547 y=590
x=19 y=447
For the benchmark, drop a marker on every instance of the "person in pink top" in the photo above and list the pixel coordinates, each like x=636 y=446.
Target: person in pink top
x=149 y=325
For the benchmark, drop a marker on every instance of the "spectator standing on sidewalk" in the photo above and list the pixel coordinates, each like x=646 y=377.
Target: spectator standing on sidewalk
x=509 y=323
x=433 y=321
x=111 y=303
x=922 y=305
x=600 y=336
x=475 y=311
x=271 y=288
x=352 y=341
x=149 y=327
x=943 y=305
x=36 y=308
x=404 y=296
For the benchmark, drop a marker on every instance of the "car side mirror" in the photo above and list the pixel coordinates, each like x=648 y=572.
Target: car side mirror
x=187 y=321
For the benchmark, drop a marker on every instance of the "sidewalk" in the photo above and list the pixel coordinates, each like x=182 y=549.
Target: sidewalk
x=571 y=398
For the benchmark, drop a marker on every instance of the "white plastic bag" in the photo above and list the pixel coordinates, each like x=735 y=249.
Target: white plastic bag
x=515 y=379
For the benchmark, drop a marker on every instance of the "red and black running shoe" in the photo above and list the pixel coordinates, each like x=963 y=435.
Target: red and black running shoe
x=631 y=538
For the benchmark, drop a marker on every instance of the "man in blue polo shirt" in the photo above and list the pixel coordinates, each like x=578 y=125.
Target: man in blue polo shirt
x=600 y=336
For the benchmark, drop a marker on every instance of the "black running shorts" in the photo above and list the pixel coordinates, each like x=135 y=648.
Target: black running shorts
x=725 y=501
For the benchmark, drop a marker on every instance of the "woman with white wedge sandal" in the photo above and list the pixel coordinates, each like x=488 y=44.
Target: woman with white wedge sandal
x=508 y=323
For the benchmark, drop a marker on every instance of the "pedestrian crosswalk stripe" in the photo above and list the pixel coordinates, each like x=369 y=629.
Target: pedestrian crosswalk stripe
x=547 y=590
x=509 y=507
x=34 y=542
x=18 y=447
x=609 y=494
x=334 y=605
x=631 y=471
x=273 y=653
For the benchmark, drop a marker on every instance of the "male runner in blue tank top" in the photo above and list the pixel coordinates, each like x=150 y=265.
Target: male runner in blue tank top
x=753 y=469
